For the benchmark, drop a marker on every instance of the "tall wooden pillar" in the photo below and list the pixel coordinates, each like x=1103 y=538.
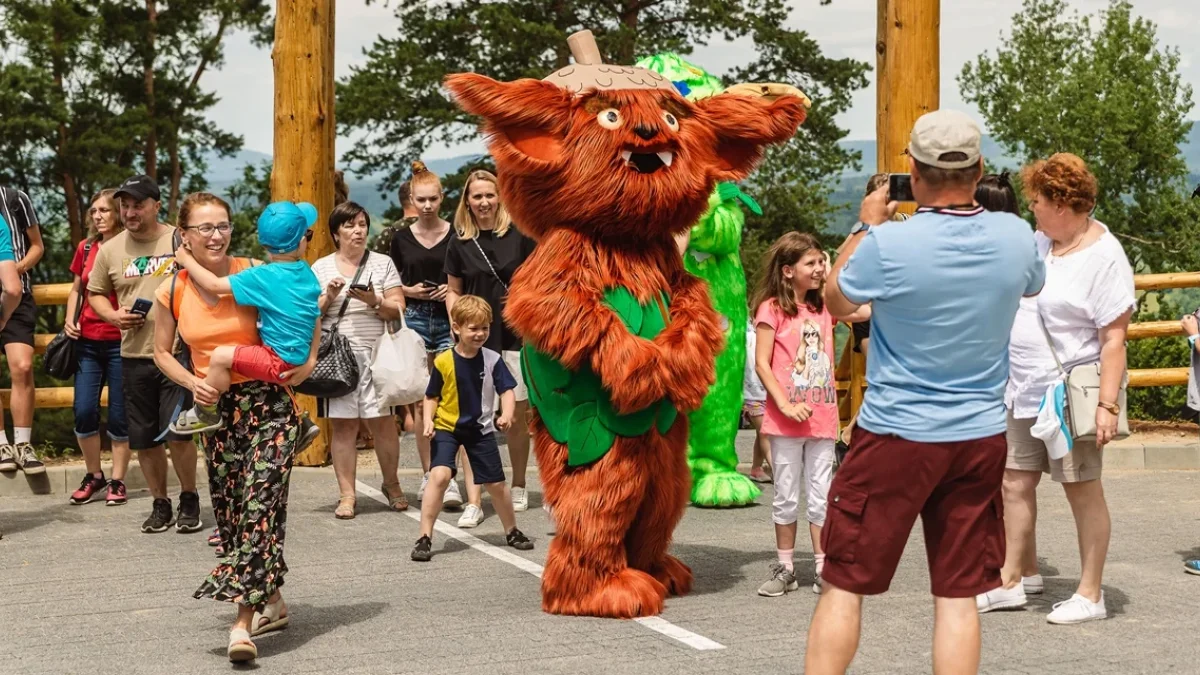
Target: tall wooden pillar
x=304 y=134
x=908 y=52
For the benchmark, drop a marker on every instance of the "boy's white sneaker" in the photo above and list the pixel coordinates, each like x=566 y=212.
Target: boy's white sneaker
x=471 y=516
x=1001 y=598
x=1077 y=610
x=421 y=490
x=1034 y=585
x=520 y=499
x=453 y=498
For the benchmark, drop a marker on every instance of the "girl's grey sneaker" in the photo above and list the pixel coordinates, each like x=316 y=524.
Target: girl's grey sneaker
x=518 y=540
x=197 y=420
x=782 y=581
x=8 y=458
x=423 y=550
x=30 y=464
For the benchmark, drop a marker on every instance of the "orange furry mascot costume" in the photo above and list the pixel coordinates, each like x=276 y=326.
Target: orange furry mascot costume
x=604 y=166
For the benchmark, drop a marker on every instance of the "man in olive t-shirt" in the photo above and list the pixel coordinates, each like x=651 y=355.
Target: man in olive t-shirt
x=133 y=265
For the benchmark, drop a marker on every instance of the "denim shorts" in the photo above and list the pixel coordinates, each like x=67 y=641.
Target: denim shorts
x=431 y=322
x=99 y=364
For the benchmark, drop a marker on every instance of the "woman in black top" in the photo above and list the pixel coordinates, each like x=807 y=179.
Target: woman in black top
x=481 y=261
x=419 y=252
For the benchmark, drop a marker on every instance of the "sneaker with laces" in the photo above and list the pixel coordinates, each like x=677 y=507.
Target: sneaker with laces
x=421 y=490
x=198 y=420
x=423 y=550
x=28 y=460
x=8 y=458
x=1077 y=610
x=1192 y=566
x=1034 y=585
x=520 y=499
x=518 y=540
x=453 y=498
x=189 y=513
x=1001 y=598
x=782 y=581
x=161 y=517
x=471 y=516
x=116 y=493
x=90 y=489
x=308 y=433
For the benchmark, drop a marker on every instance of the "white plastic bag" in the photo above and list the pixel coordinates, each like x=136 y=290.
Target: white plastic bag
x=399 y=370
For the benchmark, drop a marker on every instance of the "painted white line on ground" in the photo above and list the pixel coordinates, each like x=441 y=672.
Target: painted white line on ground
x=654 y=623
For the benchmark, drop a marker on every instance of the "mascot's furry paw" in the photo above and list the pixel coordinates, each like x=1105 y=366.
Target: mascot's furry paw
x=724 y=488
x=628 y=594
x=673 y=574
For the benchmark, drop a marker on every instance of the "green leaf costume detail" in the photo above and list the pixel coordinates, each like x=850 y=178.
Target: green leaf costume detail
x=576 y=408
x=712 y=255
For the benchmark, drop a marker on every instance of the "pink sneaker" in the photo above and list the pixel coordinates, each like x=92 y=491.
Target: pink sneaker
x=90 y=488
x=116 y=493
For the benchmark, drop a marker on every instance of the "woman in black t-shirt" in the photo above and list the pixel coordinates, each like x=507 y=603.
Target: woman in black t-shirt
x=481 y=261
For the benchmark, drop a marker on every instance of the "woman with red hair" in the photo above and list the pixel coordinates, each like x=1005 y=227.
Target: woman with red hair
x=1080 y=317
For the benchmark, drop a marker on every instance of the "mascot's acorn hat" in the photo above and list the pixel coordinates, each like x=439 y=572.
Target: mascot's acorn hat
x=589 y=72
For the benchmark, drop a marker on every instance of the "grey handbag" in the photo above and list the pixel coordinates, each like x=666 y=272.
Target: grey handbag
x=1083 y=396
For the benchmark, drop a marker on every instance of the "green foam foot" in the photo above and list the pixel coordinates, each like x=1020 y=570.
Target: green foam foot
x=724 y=489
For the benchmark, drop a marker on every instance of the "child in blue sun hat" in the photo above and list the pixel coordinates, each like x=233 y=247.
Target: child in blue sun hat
x=285 y=293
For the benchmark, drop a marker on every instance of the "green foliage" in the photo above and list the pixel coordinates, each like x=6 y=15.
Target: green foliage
x=1100 y=87
x=511 y=39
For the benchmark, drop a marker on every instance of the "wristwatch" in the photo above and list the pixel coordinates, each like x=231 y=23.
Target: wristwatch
x=1110 y=407
x=860 y=226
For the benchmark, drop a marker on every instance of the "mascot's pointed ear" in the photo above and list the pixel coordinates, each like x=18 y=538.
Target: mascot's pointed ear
x=745 y=126
x=526 y=119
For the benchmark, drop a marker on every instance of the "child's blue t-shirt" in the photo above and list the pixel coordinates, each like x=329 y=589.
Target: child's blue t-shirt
x=466 y=390
x=6 y=249
x=285 y=294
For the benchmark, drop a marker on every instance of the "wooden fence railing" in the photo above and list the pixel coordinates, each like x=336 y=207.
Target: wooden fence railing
x=851 y=368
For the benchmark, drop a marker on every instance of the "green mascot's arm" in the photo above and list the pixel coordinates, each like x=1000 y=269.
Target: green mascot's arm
x=713 y=256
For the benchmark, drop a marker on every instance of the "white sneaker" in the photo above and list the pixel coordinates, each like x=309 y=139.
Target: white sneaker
x=1034 y=585
x=421 y=490
x=1001 y=598
x=1077 y=610
x=452 y=499
x=471 y=516
x=520 y=499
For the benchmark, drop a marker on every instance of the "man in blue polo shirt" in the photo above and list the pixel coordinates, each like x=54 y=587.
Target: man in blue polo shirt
x=944 y=287
x=11 y=281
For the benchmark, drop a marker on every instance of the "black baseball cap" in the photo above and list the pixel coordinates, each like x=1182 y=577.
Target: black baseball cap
x=139 y=187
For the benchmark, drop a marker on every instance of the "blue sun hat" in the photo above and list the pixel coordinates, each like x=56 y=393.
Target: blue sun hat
x=282 y=225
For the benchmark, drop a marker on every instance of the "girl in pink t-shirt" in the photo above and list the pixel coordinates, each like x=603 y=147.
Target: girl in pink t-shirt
x=794 y=359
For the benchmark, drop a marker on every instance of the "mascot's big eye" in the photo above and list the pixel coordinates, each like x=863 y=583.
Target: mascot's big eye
x=610 y=119
x=672 y=123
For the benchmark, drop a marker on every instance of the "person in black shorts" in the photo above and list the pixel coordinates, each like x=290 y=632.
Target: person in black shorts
x=459 y=410
x=17 y=335
x=134 y=264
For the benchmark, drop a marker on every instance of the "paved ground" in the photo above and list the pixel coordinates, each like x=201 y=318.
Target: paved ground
x=84 y=592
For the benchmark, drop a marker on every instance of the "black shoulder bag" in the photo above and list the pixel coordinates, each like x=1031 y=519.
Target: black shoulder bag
x=336 y=373
x=60 y=360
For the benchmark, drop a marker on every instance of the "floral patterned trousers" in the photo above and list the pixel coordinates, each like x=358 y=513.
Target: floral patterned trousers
x=249 y=466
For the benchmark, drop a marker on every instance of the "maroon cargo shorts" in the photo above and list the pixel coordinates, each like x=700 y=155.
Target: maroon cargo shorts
x=882 y=486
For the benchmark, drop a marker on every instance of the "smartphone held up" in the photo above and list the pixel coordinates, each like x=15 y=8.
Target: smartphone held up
x=900 y=187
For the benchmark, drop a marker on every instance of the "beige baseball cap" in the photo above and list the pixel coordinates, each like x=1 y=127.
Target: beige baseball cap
x=941 y=132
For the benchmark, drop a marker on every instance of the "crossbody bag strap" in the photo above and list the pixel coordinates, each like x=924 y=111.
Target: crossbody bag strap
x=1050 y=342
x=357 y=274
x=87 y=251
x=488 y=260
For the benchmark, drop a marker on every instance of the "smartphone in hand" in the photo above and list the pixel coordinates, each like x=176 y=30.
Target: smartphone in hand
x=141 y=306
x=900 y=187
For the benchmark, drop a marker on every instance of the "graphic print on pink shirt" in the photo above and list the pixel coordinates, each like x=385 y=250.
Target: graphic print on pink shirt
x=802 y=363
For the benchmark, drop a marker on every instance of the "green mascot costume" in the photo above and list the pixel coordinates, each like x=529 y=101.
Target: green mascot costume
x=712 y=255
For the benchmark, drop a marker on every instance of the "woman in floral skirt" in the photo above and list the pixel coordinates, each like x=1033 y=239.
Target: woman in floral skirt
x=250 y=458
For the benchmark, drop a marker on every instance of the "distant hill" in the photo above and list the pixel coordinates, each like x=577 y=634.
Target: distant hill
x=365 y=190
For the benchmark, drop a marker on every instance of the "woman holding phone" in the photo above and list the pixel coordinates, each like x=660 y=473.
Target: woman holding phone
x=360 y=307
x=419 y=253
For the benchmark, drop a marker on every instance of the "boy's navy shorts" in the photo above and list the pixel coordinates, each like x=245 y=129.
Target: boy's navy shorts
x=482 y=453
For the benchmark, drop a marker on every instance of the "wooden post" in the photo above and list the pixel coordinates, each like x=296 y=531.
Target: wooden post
x=907 y=51
x=304 y=134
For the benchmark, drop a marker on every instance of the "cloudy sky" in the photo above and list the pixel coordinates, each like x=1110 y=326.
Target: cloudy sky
x=844 y=29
